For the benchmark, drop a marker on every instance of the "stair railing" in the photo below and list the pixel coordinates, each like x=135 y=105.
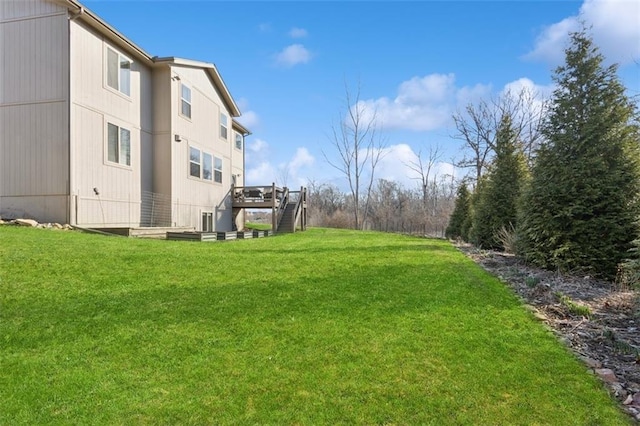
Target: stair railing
x=284 y=200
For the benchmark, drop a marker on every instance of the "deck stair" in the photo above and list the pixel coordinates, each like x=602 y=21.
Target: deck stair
x=288 y=208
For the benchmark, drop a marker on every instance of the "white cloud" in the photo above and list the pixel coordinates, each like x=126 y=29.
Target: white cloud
x=614 y=25
x=258 y=146
x=301 y=158
x=261 y=171
x=249 y=119
x=298 y=33
x=395 y=166
x=422 y=103
x=261 y=174
x=293 y=55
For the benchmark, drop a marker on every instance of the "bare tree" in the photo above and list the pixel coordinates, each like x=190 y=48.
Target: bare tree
x=282 y=177
x=423 y=167
x=477 y=127
x=359 y=149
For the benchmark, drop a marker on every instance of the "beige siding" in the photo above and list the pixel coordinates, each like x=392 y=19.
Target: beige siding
x=94 y=105
x=20 y=9
x=191 y=196
x=34 y=166
x=163 y=138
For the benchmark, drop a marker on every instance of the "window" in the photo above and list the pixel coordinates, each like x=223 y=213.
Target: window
x=118 y=72
x=207 y=222
x=207 y=169
x=118 y=145
x=223 y=126
x=205 y=166
x=217 y=173
x=194 y=162
x=185 y=101
x=238 y=141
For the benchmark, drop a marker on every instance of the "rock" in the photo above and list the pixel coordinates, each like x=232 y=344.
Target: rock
x=57 y=226
x=607 y=375
x=619 y=390
x=591 y=363
x=636 y=398
x=540 y=316
x=629 y=400
x=26 y=222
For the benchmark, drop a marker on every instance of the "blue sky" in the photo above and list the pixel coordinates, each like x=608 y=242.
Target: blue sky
x=287 y=64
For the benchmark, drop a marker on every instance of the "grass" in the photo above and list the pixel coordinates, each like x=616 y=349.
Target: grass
x=320 y=327
x=258 y=226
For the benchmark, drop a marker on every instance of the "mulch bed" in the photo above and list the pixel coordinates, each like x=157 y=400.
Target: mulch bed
x=597 y=320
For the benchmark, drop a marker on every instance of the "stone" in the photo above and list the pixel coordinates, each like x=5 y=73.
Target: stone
x=636 y=398
x=629 y=400
x=26 y=222
x=607 y=375
x=57 y=226
x=591 y=363
x=618 y=390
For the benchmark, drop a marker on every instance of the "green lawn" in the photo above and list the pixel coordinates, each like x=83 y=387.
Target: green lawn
x=320 y=327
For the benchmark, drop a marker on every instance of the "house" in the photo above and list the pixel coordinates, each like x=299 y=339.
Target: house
x=96 y=132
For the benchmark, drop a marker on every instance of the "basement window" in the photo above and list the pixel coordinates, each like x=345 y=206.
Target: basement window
x=207 y=222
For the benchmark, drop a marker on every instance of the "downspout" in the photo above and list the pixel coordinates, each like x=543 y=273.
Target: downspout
x=72 y=203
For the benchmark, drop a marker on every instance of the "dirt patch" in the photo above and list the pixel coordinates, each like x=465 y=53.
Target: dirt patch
x=597 y=320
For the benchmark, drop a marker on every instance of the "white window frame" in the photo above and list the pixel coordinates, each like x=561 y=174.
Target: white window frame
x=239 y=141
x=184 y=101
x=193 y=162
x=122 y=153
x=207 y=166
x=217 y=169
x=117 y=85
x=206 y=169
x=224 y=126
x=207 y=222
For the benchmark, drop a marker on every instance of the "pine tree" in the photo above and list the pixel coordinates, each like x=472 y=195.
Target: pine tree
x=579 y=212
x=498 y=199
x=459 y=215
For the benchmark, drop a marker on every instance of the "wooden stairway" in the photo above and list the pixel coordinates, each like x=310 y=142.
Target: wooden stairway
x=288 y=221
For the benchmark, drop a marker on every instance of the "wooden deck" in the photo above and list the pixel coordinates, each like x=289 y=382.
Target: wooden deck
x=288 y=208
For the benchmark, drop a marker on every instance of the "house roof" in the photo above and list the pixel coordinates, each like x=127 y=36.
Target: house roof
x=87 y=16
x=236 y=125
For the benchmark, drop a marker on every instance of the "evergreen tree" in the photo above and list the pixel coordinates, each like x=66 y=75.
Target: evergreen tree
x=580 y=209
x=459 y=215
x=498 y=198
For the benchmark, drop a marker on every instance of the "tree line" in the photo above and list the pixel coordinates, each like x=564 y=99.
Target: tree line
x=560 y=185
x=555 y=181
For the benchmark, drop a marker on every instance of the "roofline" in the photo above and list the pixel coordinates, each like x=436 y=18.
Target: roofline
x=96 y=22
x=238 y=126
x=213 y=72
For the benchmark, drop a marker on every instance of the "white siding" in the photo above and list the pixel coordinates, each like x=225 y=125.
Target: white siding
x=94 y=104
x=34 y=87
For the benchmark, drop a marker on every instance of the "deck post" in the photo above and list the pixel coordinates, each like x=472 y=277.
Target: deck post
x=274 y=216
